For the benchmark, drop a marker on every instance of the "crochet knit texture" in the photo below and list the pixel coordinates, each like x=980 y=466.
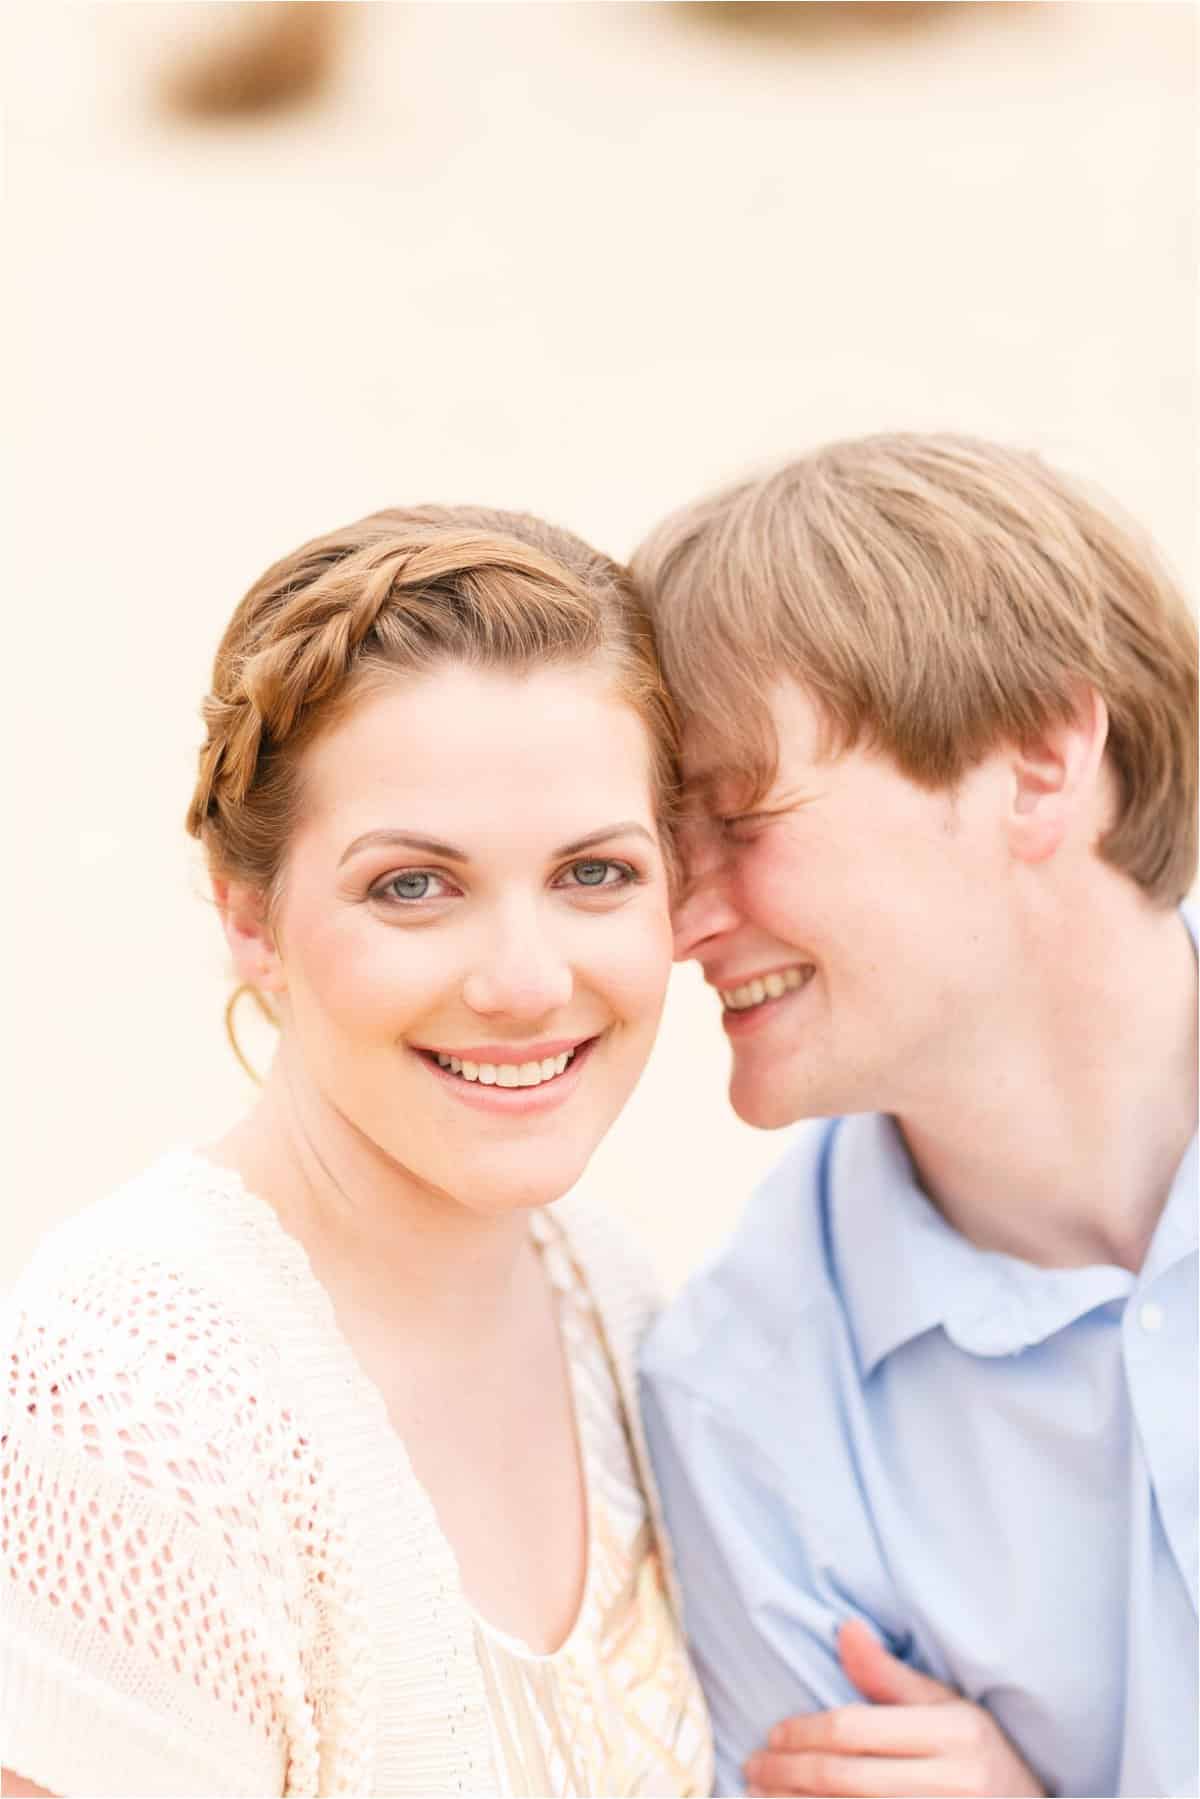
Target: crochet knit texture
x=222 y=1576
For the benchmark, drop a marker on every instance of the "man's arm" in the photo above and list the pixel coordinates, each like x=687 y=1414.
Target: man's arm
x=762 y=1634
x=784 y=1659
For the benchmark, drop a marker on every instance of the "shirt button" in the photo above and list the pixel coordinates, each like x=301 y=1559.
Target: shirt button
x=1150 y=1317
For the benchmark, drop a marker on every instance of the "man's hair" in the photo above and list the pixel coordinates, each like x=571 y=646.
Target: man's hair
x=937 y=596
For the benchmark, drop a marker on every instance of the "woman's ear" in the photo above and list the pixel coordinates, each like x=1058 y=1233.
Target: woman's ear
x=1057 y=781
x=249 y=934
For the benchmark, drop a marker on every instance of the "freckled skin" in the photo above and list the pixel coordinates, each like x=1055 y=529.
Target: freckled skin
x=892 y=894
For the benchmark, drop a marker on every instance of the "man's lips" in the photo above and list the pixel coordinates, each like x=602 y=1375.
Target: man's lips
x=737 y=992
x=752 y=1003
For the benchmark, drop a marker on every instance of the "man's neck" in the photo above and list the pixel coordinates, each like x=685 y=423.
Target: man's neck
x=1059 y=1140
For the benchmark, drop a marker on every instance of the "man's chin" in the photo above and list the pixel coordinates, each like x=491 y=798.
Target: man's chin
x=764 y=1106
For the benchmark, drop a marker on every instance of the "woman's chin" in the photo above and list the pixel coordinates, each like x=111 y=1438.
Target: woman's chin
x=500 y=1184
x=493 y=1198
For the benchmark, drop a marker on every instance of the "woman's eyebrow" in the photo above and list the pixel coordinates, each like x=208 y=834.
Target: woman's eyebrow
x=446 y=852
x=409 y=840
x=627 y=828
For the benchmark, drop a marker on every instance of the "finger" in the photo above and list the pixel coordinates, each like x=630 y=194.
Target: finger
x=873 y=1776
x=866 y=1730
x=881 y=1677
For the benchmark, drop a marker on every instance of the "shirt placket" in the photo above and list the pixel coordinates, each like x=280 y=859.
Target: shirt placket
x=1159 y=1333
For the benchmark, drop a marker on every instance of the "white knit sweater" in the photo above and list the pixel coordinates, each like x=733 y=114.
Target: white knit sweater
x=222 y=1574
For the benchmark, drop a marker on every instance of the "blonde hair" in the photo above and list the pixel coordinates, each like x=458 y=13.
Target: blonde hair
x=401 y=590
x=937 y=596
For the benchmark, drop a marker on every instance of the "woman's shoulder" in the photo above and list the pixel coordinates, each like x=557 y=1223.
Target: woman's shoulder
x=159 y=1259
x=181 y=1201
x=184 y=1226
x=166 y=1494
x=132 y=1337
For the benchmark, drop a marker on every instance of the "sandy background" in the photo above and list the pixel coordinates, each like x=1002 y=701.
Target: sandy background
x=586 y=259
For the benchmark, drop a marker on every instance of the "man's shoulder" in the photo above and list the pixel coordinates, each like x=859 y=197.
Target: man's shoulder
x=771 y=1282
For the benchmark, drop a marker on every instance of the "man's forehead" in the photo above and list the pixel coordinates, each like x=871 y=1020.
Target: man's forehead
x=721 y=760
x=710 y=757
x=788 y=731
x=714 y=786
x=699 y=778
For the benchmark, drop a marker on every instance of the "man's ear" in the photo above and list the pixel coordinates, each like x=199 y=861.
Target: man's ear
x=248 y=932
x=1057 y=780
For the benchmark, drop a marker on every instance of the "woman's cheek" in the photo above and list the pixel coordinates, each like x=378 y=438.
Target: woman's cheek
x=640 y=964
x=376 y=976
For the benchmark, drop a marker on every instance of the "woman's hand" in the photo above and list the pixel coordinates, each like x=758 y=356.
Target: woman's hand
x=916 y=1737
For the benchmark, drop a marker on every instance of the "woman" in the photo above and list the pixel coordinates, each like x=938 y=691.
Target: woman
x=324 y=1466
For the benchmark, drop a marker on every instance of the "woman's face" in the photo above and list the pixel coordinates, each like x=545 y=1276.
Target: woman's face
x=472 y=941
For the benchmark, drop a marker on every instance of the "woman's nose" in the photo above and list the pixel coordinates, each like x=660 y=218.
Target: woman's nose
x=522 y=973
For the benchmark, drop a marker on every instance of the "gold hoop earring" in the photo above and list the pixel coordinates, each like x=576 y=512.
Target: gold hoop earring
x=231 y=1029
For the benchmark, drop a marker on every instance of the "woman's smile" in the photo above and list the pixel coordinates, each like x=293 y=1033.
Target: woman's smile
x=512 y=1079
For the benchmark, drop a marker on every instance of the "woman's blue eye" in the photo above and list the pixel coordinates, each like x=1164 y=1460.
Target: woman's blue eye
x=416 y=884
x=410 y=887
x=596 y=874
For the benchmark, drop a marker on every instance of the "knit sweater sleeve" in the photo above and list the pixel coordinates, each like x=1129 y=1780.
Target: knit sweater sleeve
x=152 y=1606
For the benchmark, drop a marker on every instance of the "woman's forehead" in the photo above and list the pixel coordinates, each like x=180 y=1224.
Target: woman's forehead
x=553 y=754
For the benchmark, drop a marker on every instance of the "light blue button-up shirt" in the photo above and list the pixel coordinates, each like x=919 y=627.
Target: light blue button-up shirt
x=855 y=1413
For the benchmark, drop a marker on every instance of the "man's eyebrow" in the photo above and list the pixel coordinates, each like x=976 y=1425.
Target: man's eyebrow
x=446 y=852
x=699 y=780
x=705 y=786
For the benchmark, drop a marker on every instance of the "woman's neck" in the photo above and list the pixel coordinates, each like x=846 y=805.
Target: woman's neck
x=378 y=1238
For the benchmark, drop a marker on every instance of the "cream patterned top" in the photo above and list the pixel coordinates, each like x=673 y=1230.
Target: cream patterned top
x=219 y=1574
x=616 y=1709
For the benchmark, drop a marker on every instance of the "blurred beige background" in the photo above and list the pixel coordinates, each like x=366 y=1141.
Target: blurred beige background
x=586 y=259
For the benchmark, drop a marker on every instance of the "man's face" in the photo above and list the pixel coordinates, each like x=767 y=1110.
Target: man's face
x=853 y=925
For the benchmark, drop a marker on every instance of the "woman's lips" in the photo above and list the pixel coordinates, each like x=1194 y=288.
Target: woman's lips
x=497 y=1085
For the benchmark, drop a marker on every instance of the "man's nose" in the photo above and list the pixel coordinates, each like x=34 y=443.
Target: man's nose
x=521 y=973
x=704 y=910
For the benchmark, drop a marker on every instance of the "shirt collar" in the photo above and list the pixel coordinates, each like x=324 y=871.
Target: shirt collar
x=904 y=1271
x=896 y=1260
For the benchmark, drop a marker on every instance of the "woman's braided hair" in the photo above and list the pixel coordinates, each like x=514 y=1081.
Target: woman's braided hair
x=402 y=590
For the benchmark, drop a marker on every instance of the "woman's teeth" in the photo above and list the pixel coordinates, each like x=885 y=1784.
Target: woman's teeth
x=508 y=1074
x=771 y=986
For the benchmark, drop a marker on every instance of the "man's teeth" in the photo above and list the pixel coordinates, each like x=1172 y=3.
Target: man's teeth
x=508 y=1074
x=771 y=986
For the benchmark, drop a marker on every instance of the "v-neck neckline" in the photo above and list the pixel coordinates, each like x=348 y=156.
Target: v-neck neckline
x=549 y=1238
x=569 y=1305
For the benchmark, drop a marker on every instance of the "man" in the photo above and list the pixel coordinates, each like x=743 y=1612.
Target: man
x=940 y=785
